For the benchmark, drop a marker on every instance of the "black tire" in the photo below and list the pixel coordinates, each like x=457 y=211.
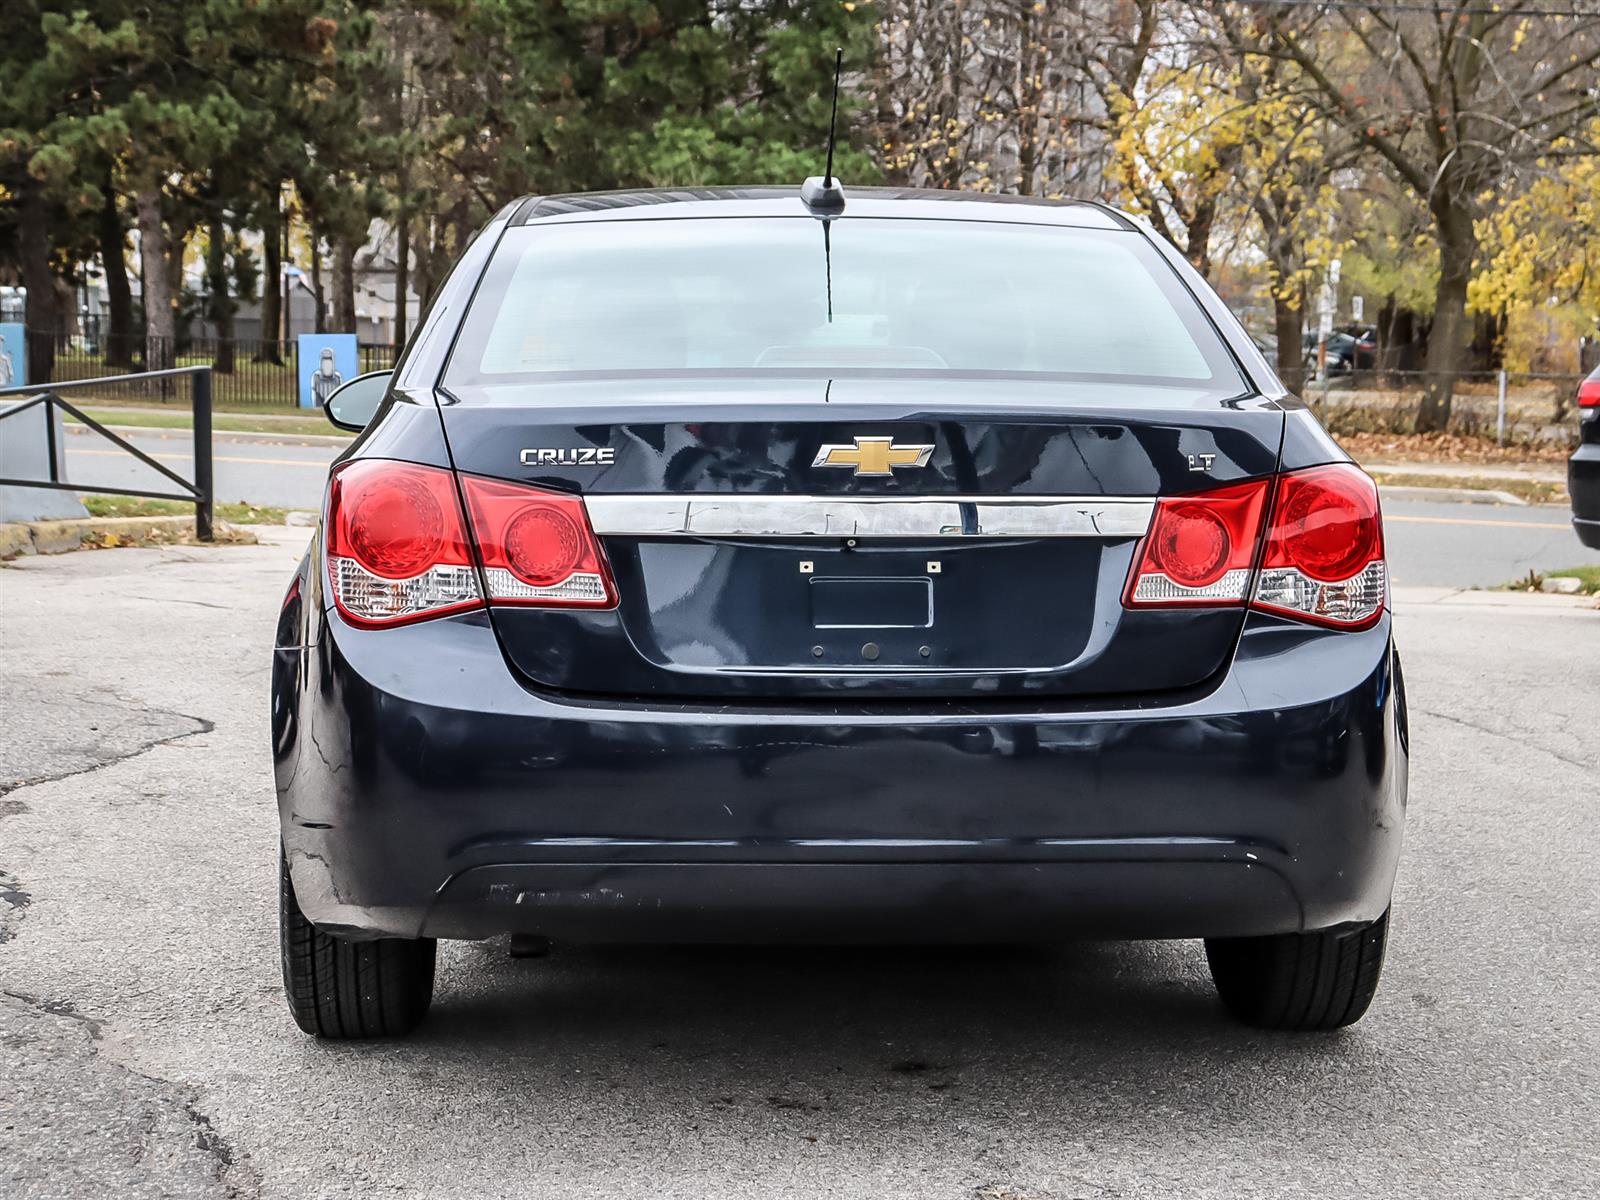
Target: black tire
x=1300 y=981
x=344 y=989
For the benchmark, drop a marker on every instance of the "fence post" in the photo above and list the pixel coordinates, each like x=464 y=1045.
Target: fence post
x=203 y=508
x=50 y=435
x=1500 y=416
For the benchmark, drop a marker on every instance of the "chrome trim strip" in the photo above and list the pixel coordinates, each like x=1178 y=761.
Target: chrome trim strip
x=714 y=515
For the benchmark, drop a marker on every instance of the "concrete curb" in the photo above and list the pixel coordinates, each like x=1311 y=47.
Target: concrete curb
x=61 y=537
x=1407 y=598
x=221 y=435
x=1449 y=495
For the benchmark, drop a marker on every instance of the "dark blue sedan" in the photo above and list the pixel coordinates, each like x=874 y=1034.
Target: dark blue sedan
x=724 y=565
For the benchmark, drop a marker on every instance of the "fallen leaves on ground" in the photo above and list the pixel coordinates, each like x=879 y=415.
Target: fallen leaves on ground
x=223 y=535
x=1447 y=447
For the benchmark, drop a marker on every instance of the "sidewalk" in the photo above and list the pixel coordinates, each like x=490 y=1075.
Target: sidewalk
x=1539 y=472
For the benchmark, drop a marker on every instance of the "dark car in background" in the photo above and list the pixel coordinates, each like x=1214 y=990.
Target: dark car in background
x=750 y=565
x=1347 y=350
x=1583 y=470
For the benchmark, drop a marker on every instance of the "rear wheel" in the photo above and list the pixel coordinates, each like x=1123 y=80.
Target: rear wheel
x=344 y=989
x=1300 y=981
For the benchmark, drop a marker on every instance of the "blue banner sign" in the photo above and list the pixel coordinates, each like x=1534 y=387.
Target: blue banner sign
x=13 y=356
x=327 y=361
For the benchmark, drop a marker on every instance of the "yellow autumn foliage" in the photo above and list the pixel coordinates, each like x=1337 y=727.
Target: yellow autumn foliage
x=1542 y=247
x=1541 y=261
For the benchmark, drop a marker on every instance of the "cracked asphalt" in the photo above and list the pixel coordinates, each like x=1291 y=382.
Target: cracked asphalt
x=145 y=1050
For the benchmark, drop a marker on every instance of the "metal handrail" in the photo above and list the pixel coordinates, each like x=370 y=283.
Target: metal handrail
x=201 y=491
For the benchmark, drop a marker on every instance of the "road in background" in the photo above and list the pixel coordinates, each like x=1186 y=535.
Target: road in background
x=1478 y=545
x=286 y=476
x=1430 y=545
x=146 y=1049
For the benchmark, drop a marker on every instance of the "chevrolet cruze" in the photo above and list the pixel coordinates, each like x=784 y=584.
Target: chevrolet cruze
x=772 y=564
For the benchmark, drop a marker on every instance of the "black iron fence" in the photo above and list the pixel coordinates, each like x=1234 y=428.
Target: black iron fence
x=245 y=372
x=200 y=490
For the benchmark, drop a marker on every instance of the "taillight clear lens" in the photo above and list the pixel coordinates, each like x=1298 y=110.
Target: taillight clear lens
x=1324 y=557
x=537 y=546
x=1200 y=548
x=397 y=545
x=1322 y=561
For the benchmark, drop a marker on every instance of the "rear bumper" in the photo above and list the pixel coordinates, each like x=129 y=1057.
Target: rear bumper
x=1583 y=484
x=424 y=791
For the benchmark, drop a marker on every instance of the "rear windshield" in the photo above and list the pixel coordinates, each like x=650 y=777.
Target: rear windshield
x=853 y=297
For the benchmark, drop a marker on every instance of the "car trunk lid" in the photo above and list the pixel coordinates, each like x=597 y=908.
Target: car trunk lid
x=788 y=538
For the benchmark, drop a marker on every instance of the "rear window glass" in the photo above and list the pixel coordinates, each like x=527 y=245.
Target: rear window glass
x=760 y=295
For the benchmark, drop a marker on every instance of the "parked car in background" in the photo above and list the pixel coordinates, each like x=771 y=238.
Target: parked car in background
x=1583 y=471
x=1351 y=349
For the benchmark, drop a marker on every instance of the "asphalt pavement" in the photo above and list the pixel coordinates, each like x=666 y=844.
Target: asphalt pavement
x=145 y=1049
x=1430 y=544
x=283 y=475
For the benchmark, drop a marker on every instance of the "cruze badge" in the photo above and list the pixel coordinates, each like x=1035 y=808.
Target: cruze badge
x=569 y=456
x=873 y=456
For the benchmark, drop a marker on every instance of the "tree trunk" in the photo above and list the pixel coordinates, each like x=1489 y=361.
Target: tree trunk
x=402 y=271
x=272 y=283
x=1457 y=248
x=1387 y=316
x=67 y=301
x=344 y=285
x=321 y=322
x=1028 y=99
x=159 y=326
x=220 y=303
x=1488 y=340
x=43 y=314
x=1288 y=316
x=118 y=339
x=177 y=246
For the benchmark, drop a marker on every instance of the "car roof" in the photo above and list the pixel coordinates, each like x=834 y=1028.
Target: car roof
x=776 y=201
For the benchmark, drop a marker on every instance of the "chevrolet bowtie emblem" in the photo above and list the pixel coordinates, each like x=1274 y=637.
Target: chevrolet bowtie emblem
x=873 y=456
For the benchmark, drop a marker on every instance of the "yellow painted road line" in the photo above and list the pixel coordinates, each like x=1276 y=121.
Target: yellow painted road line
x=1391 y=520
x=183 y=458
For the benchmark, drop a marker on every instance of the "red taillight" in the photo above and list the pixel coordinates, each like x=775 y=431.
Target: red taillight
x=537 y=546
x=1200 y=548
x=397 y=544
x=1322 y=560
x=1589 y=392
x=399 y=547
x=1324 y=556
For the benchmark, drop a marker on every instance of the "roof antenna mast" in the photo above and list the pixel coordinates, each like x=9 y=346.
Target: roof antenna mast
x=824 y=196
x=833 y=117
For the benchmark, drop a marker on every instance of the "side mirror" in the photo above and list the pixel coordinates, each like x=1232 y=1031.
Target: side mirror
x=351 y=406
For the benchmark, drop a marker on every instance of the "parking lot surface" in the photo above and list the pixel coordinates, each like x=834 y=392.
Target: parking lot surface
x=145 y=1049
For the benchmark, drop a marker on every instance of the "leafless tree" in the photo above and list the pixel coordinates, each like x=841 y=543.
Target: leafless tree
x=994 y=95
